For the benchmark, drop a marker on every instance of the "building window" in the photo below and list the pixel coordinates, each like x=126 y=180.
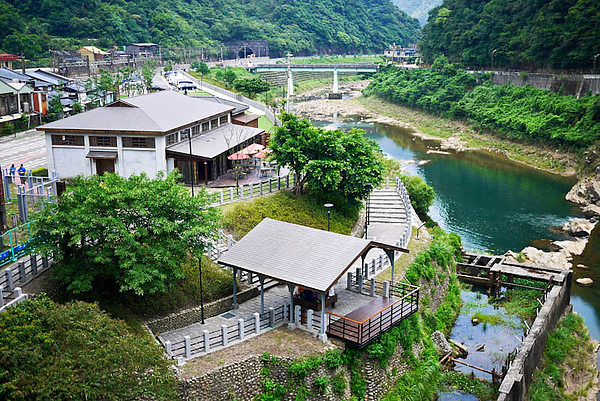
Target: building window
x=171 y=139
x=214 y=123
x=205 y=126
x=223 y=120
x=185 y=134
x=106 y=141
x=137 y=142
x=72 y=140
x=195 y=130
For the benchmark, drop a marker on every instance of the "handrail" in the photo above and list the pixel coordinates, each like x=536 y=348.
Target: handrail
x=378 y=312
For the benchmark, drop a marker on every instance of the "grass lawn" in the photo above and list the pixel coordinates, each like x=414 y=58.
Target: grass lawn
x=241 y=217
x=199 y=94
x=265 y=123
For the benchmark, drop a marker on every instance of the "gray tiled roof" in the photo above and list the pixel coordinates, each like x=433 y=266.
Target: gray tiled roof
x=296 y=254
x=239 y=107
x=217 y=141
x=158 y=112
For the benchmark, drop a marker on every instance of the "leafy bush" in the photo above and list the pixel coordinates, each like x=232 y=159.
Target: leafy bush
x=40 y=172
x=321 y=384
x=8 y=129
x=421 y=194
x=442 y=251
x=338 y=384
x=332 y=358
x=76 y=351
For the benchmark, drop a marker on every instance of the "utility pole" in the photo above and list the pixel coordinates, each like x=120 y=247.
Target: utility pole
x=493 y=52
x=595 y=57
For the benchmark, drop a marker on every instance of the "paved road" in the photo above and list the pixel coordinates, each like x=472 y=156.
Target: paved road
x=27 y=147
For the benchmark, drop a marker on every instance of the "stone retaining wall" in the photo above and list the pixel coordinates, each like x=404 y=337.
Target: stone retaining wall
x=572 y=85
x=243 y=380
x=190 y=316
x=519 y=376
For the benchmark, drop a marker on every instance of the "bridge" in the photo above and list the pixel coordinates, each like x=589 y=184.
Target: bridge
x=335 y=68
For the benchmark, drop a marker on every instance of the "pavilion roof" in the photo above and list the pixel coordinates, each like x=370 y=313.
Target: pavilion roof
x=298 y=255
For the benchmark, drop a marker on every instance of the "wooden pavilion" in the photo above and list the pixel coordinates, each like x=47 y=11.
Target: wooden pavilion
x=316 y=260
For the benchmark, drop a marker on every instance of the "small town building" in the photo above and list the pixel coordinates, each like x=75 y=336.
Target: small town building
x=6 y=60
x=400 y=53
x=92 y=53
x=147 y=134
x=142 y=50
x=16 y=99
x=239 y=115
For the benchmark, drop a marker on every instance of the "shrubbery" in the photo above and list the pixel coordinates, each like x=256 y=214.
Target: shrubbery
x=76 y=351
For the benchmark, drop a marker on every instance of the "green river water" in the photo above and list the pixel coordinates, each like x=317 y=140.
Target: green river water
x=495 y=204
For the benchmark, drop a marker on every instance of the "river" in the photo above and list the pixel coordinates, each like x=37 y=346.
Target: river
x=494 y=204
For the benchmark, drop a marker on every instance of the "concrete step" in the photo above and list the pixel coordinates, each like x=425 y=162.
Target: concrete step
x=373 y=213
x=385 y=206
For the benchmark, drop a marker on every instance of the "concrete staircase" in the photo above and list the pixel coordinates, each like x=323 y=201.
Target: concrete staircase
x=386 y=206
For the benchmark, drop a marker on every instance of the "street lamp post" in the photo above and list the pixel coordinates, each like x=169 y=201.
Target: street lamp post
x=201 y=81
x=595 y=57
x=369 y=188
x=328 y=207
x=191 y=162
x=493 y=52
x=201 y=292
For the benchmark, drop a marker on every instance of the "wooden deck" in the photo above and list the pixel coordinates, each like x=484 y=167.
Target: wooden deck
x=367 y=323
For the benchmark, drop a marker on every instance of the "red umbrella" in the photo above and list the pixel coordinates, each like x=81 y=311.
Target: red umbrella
x=252 y=148
x=238 y=156
x=263 y=153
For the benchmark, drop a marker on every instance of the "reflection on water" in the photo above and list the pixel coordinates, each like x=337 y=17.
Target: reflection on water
x=456 y=396
x=494 y=204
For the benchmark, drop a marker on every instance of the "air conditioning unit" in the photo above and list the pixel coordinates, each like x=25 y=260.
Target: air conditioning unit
x=25 y=107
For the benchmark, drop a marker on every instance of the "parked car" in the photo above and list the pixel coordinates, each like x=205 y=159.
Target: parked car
x=186 y=85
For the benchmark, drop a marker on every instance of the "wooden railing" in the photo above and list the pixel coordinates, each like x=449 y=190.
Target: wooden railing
x=361 y=333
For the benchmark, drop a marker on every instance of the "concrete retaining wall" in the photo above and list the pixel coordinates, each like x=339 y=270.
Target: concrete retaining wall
x=519 y=376
x=572 y=85
x=190 y=316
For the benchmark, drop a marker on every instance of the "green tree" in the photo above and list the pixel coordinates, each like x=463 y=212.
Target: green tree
x=55 y=108
x=134 y=232
x=229 y=76
x=77 y=107
x=331 y=163
x=251 y=86
x=421 y=194
x=76 y=351
x=203 y=69
x=148 y=71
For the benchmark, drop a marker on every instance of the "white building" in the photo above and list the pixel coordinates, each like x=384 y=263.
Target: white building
x=148 y=133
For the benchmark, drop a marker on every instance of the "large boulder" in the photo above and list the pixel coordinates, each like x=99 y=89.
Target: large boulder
x=579 y=227
x=591 y=211
x=585 y=192
x=442 y=346
x=586 y=281
x=574 y=247
x=558 y=260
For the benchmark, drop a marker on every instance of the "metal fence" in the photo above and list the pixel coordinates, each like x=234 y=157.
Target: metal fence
x=32 y=192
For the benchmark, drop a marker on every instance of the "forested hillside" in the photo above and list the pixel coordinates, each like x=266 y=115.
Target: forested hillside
x=418 y=9
x=518 y=112
x=558 y=34
x=299 y=26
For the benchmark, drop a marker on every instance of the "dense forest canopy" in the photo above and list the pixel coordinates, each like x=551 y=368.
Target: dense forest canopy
x=556 y=34
x=298 y=26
